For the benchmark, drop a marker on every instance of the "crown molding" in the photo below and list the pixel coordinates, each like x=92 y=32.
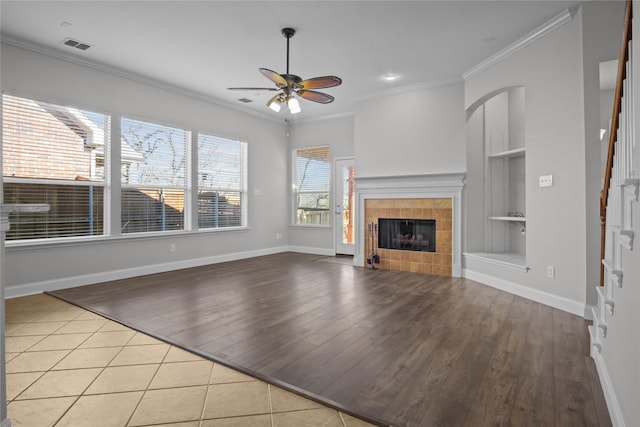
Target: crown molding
x=549 y=26
x=294 y=121
x=409 y=88
x=33 y=47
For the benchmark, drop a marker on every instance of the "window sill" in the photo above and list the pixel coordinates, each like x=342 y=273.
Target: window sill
x=12 y=246
x=316 y=226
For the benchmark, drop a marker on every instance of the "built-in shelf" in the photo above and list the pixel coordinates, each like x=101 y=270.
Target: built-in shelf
x=508 y=218
x=517 y=152
x=503 y=259
x=496 y=160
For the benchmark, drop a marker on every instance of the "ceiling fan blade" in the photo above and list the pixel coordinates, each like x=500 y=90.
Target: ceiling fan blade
x=274 y=77
x=312 y=95
x=320 y=82
x=252 y=88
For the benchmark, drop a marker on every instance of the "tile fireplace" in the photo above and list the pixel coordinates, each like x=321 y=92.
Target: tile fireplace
x=422 y=199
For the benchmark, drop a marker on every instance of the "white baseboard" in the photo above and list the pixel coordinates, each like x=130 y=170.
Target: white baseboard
x=615 y=412
x=456 y=270
x=312 y=251
x=561 y=303
x=89 y=279
x=589 y=311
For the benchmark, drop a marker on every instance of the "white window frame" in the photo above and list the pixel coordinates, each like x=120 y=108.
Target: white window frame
x=112 y=186
x=294 y=193
x=243 y=190
x=185 y=188
x=70 y=111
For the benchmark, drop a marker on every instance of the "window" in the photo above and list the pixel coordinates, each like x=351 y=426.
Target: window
x=154 y=177
x=222 y=182
x=311 y=186
x=56 y=155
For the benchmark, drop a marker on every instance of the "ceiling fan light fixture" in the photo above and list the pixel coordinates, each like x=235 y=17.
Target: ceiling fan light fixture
x=294 y=105
x=288 y=84
x=275 y=105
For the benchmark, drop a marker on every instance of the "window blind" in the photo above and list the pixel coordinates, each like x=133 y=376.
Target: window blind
x=222 y=182
x=53 y=154
x=159 y=157
x=312 y=186
x=154 y=179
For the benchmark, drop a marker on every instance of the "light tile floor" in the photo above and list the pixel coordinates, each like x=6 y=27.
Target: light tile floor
x=69 y=367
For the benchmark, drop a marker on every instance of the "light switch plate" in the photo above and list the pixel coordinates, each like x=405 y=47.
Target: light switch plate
x=546 y=180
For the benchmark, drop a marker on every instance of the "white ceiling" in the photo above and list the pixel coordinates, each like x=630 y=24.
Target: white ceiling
x=207 y=46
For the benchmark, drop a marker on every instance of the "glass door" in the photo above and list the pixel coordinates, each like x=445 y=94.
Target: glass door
x=344 y=206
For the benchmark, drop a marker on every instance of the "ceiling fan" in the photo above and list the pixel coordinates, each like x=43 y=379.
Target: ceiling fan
x=290 y=84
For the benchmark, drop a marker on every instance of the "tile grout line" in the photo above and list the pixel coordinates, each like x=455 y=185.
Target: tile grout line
x=74 y=349
x=50 y=369
x=107 y=365
x=270 y=404
x=340 y=415
x=206 y=395
x=146 y=389
x=36 y=343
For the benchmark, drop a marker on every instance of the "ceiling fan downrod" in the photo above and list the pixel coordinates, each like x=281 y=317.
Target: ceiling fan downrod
x=288 y=33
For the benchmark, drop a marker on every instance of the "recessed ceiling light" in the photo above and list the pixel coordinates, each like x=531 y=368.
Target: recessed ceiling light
x=390 y=77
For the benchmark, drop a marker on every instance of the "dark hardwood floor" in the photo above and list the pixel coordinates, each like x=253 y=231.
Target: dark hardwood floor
x=396 y=348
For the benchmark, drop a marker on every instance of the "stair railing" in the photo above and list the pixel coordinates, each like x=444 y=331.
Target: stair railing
x=613 y=133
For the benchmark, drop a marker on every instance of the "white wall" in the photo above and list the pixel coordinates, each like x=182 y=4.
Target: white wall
x=32 y=269
x=337 y=133
x=474 y=200
x=417 y=132
x=550 y=69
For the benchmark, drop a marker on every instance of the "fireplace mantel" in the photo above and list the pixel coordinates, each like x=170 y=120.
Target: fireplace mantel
x=427 y=186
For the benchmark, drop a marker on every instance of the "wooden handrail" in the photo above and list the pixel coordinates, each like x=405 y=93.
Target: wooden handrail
x=613 y=132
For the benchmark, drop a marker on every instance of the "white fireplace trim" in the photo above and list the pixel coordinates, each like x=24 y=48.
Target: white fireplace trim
x=427 y=186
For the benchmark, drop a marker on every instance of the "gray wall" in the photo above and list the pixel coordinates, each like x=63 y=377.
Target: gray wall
x=418 y=132
x=550 y=70
x=34 y=268
x=337 y=133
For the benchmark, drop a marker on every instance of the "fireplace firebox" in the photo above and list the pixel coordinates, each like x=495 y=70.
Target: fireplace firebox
x=407 y=234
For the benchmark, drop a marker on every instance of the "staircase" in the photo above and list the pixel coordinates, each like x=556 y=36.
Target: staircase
x=619 y=199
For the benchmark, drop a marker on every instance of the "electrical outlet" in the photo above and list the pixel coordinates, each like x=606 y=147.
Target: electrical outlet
x=172 y=247
x=278 y=236
x=546 y=180
x=551 y=271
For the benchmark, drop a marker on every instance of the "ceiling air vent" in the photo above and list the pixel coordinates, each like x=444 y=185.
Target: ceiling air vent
x=75 y=43
x=245 y=100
